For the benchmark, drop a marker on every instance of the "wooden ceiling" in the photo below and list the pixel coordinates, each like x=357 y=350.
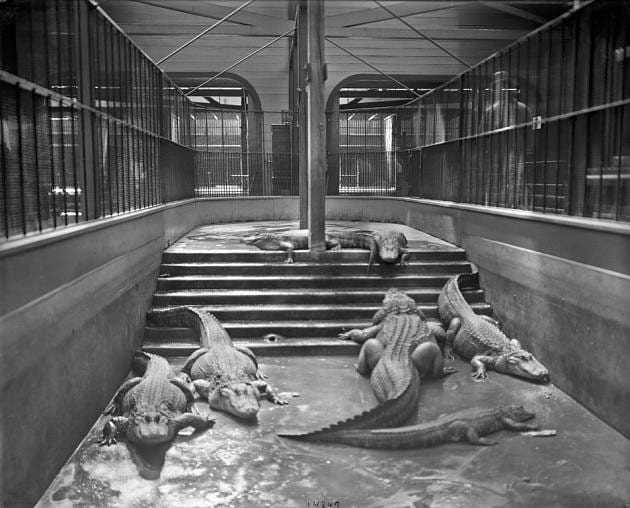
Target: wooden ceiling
x=456 y=34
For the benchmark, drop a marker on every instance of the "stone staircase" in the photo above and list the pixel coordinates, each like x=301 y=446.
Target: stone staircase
x=304 y=305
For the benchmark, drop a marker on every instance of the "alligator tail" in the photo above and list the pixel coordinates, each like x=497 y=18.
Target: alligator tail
x=359 y=241
x=451 y=301
x=203 y=322
x=390 y=413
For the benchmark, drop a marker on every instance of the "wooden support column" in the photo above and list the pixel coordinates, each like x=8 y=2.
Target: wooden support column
x=302 y=59
x=316 y=144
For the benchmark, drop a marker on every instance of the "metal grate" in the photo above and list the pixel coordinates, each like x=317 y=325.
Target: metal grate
x=82 y=111
x=541 y=126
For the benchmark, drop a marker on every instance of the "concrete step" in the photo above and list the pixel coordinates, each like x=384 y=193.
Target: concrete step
x=247 y=281
x=296 y=347
x=311 y=312
x=334 y=257
x=445 y=267
x=257 y=330
x=297 y=296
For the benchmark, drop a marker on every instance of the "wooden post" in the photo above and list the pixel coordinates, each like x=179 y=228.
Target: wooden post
x=316 y=128
x=302 y=59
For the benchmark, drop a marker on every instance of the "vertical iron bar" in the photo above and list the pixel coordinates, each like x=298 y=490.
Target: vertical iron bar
x=20 y=152
x=49 y=114
x=59 y=81
x=561 y=94
x=36 y=168
x=74 y=161
x=3 y=159
x=547 y=127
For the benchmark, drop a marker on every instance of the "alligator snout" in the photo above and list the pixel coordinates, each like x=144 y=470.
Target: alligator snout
x=389 y=255
x=150 y=433
x=238 y=399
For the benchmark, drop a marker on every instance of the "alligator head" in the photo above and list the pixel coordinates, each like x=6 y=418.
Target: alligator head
x=150 y=428
x=265 y=241
x=518 y=413
x=390 y=246
x=522 y=364
x=239 y=399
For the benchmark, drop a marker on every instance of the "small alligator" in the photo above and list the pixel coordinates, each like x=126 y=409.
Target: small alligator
x=398 y=350
x=224 y=374
x=288 y=241
x=151 y=409
x=474 y=338
x=467 y=425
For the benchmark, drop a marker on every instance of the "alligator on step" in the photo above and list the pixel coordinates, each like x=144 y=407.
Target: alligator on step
x=388 y=246
x=150 y=409
x=474 y=338
x=227 y=376
x=398 y=350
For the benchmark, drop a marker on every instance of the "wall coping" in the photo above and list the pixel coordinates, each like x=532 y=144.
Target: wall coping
x=36 y=240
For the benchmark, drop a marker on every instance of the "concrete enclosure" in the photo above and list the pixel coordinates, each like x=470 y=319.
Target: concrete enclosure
x=73 y=305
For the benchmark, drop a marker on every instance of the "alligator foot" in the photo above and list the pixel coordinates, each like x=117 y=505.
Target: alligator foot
x=448 y=353
x=447 y=371
x=480 y=376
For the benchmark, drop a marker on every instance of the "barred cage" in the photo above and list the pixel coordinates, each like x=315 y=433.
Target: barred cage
x=83 y=117
x=544 y=125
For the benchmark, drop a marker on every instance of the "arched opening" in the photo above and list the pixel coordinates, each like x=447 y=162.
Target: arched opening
x=365 y=130
x=228 y=133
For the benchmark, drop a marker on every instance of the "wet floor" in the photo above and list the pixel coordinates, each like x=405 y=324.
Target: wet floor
x=587 y=464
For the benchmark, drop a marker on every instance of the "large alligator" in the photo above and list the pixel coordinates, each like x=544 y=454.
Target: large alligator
x=474 y=338
x=398 y=350
x=287 y=241
x=150 y=409
x=224 y=374
x=467 y=425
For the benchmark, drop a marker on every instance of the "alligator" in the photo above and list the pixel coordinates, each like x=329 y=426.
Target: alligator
x=397 y=351
x=150 y=409
x=467 y=425
x=388 y=246
x=474 y=338
x=288 y=241
x=227 y=376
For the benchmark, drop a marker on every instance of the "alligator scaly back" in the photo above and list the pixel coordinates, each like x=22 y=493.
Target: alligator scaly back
x=224 y=374
x=400 y=326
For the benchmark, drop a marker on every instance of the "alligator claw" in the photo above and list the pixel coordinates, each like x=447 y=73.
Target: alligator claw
x=108 y=437
x=107 y=441
x=210 y=422
x=479 y=375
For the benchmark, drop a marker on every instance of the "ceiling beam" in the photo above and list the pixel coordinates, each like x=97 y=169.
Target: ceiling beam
x=373 y=15
x=143 y=29
x=515 y=11
x=212 y=11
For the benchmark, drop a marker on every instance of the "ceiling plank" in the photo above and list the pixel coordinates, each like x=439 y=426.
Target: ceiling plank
x=214 y=11
x=515 y=11
x=144 y=29
x=364 y=16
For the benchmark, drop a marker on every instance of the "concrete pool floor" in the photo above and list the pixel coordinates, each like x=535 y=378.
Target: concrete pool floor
x=235 y=464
